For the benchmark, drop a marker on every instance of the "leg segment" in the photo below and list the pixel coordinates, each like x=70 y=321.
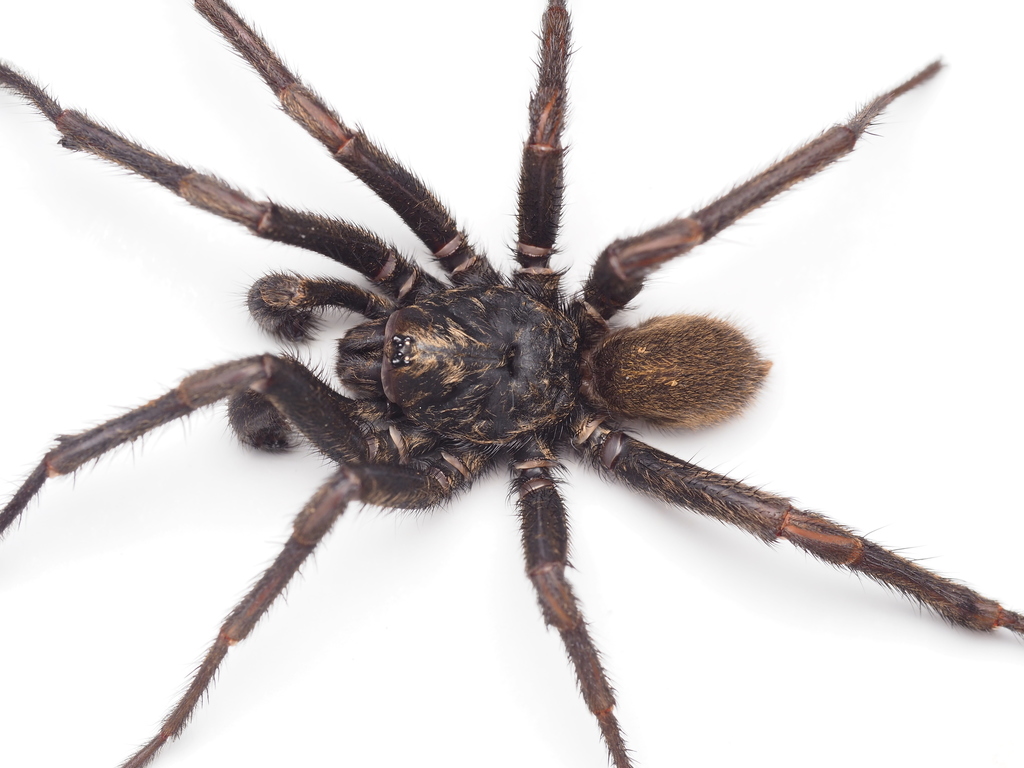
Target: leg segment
x=620 y=270
x=345 y=243
x=395 y=185
x=546 y=544
x=540 y=180
x=327 y=419
x=770 y=517
x=386 y=486
x=258 y=424
x=319 y=412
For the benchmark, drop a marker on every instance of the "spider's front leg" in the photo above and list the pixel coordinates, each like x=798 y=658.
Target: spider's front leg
x=345 y=243
x=383 y=485
x=769 y=517
x=392 y=182
x=325 y=417
x=331 y=422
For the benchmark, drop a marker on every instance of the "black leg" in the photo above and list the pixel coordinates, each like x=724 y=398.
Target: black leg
x=345 y=243
x=393 y=183
x=546 y=545
x=382 y=485
x=769 y=517
x=258 y=424
x=540 y=179
x=619 y=273
x=325 y=417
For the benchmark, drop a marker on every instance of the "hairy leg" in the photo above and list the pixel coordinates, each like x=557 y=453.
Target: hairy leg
x=394 y=184
x=325 y=417
x=546 y=546
x=540 y=178
x=769 y=517
x=620 y=270
x=347 y=244
x=374 y=484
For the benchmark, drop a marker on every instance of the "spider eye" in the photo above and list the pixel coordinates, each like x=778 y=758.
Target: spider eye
x=417 y=354
x=401 y=347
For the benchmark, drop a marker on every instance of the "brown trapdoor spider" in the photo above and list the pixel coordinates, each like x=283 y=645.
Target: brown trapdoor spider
x=604 y=446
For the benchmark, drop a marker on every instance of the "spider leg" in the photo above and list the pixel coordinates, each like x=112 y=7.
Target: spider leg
x=325 y=417
x=389 y=486
x=769 y=517
x=620 y=270
x=258 y=424
x=540 y=178
x=546 y=546
x=331 y=422
x=338 y=240
x=294 y=398
x=392 y=183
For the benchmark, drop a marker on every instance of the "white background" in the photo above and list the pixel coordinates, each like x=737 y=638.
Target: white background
x=886 y=292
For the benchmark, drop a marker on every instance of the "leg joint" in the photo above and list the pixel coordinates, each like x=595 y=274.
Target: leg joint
x=555 y=596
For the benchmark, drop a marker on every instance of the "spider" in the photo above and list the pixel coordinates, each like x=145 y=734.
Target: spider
x=605 y=441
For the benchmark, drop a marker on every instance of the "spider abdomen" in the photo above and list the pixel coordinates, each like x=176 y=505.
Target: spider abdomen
x=677 y=371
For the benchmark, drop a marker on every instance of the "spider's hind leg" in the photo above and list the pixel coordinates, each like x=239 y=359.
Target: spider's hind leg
x=619 y=273
x=769 y=517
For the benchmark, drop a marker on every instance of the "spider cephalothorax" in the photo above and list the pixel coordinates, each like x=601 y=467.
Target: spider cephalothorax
x=450 y=377
x=489 y=365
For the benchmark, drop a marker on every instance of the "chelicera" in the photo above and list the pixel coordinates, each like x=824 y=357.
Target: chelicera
x=452 y=378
